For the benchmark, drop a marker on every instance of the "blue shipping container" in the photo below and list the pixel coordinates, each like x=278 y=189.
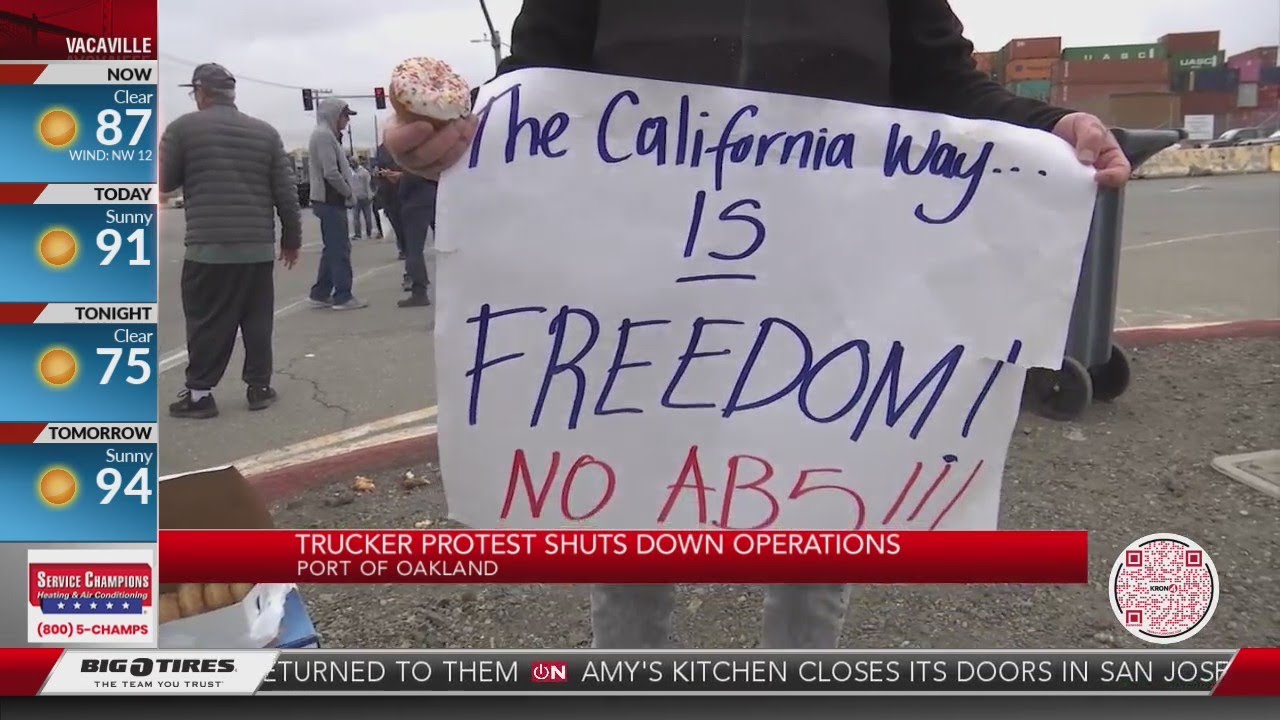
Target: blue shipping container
x=1207 y=80
x=1269 y=76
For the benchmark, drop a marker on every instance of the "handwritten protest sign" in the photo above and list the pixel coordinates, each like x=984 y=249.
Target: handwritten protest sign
x=674 y=306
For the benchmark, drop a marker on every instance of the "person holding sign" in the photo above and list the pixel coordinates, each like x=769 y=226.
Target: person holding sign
x=908 y=54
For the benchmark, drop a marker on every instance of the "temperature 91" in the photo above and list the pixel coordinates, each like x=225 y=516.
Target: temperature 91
x=111 y=242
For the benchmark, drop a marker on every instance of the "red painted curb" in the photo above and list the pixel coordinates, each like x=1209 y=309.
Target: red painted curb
x=287 y=482
x=1149 y=336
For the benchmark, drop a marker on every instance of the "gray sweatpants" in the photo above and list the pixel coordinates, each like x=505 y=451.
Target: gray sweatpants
x=796 y=617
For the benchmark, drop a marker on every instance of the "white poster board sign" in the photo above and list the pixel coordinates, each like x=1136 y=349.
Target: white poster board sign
x=1199 y=127
x=665 y=306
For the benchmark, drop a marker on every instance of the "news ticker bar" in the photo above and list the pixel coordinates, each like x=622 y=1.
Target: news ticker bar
x=310 y=672
x=593 y=556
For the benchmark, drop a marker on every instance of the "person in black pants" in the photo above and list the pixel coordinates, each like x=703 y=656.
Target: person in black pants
x=418 y=216
x=237 y=182
x=387 y=193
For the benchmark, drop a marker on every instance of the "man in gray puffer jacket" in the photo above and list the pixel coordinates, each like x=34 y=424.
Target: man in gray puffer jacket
x=331 y=196
x=236 y=180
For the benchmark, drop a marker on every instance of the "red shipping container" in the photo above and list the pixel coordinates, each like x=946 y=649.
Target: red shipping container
x=1246 y=118
x=1074 y=96
x=1267 y=55
x=1033 y=48
x=1033 y=69
x=1269 y=97
x=1208 y=103
x=1250 y=68
x=1076 y=72
x=1191 y=43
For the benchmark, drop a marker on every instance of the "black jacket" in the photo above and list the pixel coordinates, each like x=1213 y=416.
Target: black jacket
x=901 y=53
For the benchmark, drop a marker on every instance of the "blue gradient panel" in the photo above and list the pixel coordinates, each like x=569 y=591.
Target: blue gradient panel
x=27 y=397
x=28 y=517
x=29 y=279
x=126 y=158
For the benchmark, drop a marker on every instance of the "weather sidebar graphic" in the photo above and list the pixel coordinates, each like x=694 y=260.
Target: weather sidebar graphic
x=79 y=211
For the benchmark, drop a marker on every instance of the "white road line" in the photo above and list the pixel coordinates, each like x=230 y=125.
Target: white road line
x=174 y=358
x=1194 y=238
x=254 y=466
x=1189 y=187
x=397 y=422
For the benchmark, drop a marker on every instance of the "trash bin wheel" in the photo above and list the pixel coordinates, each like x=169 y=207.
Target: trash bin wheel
x=1111 y=379
x=1060 y=394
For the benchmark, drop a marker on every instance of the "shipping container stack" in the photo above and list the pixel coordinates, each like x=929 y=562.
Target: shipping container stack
x=1201 y=77
x=1258 y=89
x=1125 y=85
x=1029 y=64
x=989 y=64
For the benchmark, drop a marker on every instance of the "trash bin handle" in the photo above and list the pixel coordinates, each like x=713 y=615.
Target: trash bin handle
x=1140 y=145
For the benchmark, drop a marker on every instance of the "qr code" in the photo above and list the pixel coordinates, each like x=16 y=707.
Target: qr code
x=1163 y=588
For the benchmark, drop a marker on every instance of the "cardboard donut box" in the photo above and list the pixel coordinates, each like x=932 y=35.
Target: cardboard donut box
x=222 y=616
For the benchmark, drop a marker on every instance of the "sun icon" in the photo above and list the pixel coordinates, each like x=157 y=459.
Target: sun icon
x=57 y=248
x=58 y=128
x=57 y=487
x=57 y=367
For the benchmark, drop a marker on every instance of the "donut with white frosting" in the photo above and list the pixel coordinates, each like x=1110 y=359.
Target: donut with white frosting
x=424 y=88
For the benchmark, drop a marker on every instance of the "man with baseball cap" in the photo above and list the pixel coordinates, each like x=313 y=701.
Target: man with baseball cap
x=331 y=196
x=236 y=180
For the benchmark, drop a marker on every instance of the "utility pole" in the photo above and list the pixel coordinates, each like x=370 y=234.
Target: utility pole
x=495 y=41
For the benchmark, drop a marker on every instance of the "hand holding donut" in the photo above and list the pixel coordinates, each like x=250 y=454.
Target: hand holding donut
x=432 y=128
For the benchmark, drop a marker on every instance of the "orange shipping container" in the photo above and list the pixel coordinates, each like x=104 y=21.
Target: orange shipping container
x=1075 y=72
x=1073 y=95
x=1032 y=48
x=986 y=61
x=1190 y=43
x=1033 y=69
x=1146 y=110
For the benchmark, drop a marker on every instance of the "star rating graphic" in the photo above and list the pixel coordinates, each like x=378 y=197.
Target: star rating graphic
x=103 y=605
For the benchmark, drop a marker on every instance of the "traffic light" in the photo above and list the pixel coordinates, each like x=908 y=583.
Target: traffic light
x=380 y=98
x=308 y=102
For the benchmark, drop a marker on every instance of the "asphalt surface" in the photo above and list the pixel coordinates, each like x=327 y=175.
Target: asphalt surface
x=1126 y=470
x=334 y=370
x=1201 y=249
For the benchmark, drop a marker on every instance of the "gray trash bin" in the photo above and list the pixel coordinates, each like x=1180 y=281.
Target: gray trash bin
x=1095 y=367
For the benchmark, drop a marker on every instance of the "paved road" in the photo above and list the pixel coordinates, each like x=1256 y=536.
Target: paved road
x=1200 y=249
x=334 y=369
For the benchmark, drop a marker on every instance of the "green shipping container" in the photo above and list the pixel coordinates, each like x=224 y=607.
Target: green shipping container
x=1036 y=89
x=1197 y=61
x=1146 y=51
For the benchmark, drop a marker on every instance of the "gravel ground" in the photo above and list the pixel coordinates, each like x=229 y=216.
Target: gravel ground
x=1129 y=469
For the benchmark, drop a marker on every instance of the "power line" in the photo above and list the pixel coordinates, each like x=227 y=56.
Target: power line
x=239 y=77
x=70 y=10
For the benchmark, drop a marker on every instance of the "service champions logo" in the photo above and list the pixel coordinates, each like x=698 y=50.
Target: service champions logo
x=90 y=596
x=1164 y=588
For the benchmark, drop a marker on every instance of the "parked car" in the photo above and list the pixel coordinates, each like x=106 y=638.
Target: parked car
x=1272 y=139
x=1235 y=136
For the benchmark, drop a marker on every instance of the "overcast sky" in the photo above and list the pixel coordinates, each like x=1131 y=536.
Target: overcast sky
x=350 y=46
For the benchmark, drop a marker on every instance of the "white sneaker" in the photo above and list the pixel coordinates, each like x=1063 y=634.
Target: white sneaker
x=352 y=304
x=319 y=303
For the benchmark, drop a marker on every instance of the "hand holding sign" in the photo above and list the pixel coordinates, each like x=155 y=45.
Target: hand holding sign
x=665 y=306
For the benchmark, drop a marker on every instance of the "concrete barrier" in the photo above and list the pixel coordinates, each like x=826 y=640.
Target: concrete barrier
x=1194 y=162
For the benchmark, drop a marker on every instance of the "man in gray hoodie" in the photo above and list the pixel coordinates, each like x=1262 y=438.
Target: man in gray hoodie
x=331 y=196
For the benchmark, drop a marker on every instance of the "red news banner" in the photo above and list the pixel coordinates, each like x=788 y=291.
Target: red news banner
x=588 y=556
